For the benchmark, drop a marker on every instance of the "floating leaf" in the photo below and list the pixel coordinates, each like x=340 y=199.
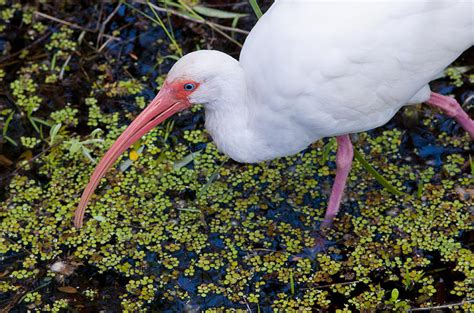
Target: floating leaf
x=394 y=295
x=99 y=218
x=67 y=289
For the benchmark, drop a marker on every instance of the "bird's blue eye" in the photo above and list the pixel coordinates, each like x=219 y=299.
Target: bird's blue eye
x=189 y=87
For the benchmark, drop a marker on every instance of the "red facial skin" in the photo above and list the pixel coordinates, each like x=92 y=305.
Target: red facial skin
x=171 y=99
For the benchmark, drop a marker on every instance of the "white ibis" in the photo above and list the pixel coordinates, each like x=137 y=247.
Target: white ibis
x=308 y=70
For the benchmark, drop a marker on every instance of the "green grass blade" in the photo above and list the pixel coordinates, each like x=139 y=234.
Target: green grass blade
x=358 y=156
x=7 y=123
x=292 y=283
x=471 y=162
x=421 y=187
x=33 y=123
x=165 y=29
x=158 y=21
x=256 y=8
x=211 y=180
x=210 y=12
x=327 y=149
x=38 y=120
x=53 y=132
x=10 y=140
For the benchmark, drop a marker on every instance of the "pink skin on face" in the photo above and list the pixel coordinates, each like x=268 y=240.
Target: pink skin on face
x=172 y=98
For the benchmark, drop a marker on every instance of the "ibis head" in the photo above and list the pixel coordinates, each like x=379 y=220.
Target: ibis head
x=195 y=78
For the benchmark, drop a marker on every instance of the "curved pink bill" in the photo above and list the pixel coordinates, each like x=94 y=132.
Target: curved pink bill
x=161 y=108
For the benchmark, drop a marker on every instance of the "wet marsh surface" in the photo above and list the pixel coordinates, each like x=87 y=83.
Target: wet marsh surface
x=177 y=226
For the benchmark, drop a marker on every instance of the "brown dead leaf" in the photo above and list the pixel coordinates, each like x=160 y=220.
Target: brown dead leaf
x=67 y=289
x=5 y=161
x=65 y=267
x=465 y=194
x=27 y=155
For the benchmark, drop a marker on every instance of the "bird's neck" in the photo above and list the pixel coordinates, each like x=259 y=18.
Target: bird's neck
x=228 y=118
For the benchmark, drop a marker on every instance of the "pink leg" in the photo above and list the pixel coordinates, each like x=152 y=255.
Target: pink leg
x=345 y=153
x=453 y=109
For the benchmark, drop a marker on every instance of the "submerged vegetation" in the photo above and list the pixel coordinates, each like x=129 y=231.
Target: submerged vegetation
x=178 y=226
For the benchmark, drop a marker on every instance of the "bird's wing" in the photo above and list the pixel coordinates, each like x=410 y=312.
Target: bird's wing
x=334 y=67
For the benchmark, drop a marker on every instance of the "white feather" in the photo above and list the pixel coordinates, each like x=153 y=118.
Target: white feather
x=313 y=69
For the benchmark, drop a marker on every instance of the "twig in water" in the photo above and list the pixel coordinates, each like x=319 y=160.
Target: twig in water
x=72 y=25
x=444 y=306
x=102 y=26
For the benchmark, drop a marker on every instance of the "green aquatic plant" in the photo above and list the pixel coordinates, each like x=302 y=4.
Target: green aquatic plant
x=123 y=88
x=138 y=211
x=177 y=223
x=24 y=90
x=30 y=142
x=455 y=75
x=62 y=41
x=66 y=116
x=256 y=8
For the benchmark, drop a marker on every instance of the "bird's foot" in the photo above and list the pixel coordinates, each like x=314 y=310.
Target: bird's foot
x=320 y=243
x=465 y=121
x=453 y=109
x=320 y=236
x=327 y=222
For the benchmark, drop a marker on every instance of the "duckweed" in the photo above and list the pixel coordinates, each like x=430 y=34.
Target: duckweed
x=182 y=227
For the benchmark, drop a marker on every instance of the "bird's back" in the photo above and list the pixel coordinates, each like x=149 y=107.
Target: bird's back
x=324 y=68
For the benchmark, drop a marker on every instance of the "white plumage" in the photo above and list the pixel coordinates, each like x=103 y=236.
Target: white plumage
x=313 y=69
x=324 y=68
